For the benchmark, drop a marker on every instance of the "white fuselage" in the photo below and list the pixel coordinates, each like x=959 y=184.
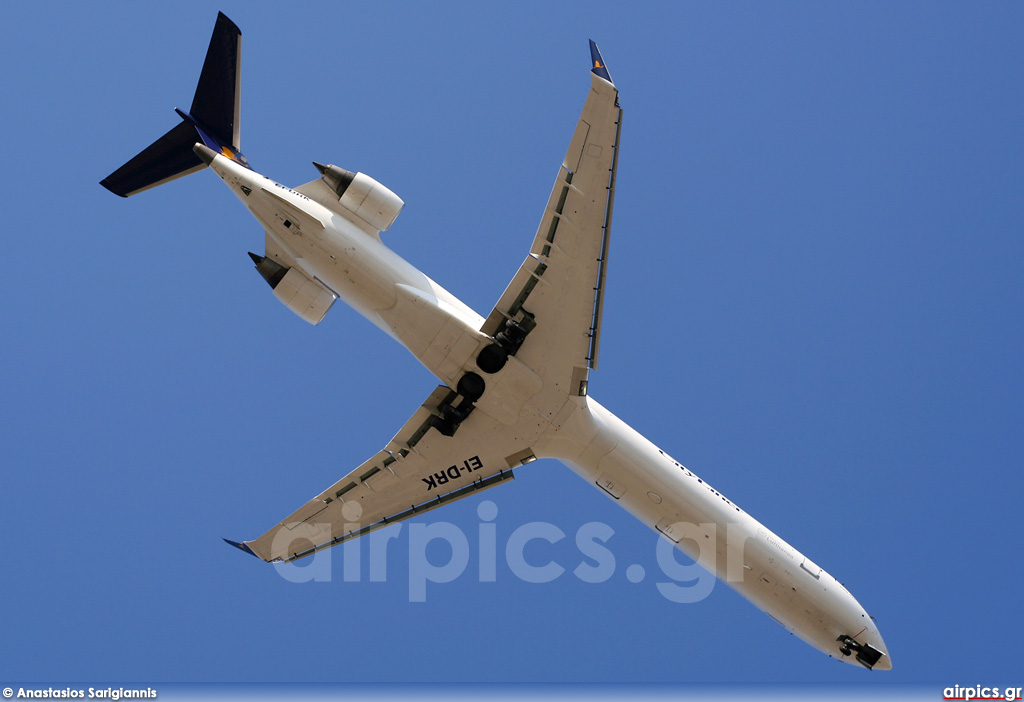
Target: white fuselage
x=715 y=532
x=350 y=260
x=443 y=333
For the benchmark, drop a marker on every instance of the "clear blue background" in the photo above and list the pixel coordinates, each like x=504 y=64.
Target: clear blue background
x=814 y=301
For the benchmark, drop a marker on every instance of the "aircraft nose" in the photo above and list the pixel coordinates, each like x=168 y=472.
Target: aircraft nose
x=868 y=650
x=877 y=655
x=884 y=662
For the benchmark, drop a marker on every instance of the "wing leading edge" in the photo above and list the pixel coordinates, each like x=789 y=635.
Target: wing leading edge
x=419 y=470
x=558 y=291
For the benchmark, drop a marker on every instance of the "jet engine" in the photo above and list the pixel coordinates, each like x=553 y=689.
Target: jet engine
x=362 y=196
x=305 y=297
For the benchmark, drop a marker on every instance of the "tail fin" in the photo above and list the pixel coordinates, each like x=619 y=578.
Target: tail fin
x=212 y=119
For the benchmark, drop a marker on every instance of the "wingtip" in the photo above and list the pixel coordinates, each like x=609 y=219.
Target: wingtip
x=110 y=186
x=241 y=546
x=598 y=66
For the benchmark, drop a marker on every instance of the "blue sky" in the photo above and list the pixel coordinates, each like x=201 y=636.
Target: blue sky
x=814 y=302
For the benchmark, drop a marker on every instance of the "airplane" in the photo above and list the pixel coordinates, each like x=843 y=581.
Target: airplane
x=514 y=384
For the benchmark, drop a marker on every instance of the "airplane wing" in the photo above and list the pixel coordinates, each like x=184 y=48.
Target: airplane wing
x=555 y=297
x=417 y=471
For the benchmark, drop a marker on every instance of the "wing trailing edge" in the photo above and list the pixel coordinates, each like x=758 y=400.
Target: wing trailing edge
x=557 y=295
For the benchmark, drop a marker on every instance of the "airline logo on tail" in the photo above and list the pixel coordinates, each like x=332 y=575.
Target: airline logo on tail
x=234 y=155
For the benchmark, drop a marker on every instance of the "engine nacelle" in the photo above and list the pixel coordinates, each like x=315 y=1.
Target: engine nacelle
x=362 y=196
x=301 y=294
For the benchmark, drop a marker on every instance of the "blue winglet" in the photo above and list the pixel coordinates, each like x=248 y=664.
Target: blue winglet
x=599 y=69
x=242 y=547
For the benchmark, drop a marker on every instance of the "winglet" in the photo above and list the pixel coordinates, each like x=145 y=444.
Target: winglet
x=599 y=68
x=242 y=546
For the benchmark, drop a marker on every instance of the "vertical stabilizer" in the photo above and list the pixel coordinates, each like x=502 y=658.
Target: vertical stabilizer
x=215 y=105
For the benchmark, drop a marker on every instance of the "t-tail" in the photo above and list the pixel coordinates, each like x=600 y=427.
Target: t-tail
x=212 y=120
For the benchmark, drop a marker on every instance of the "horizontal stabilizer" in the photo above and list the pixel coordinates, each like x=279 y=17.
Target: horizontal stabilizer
x=167 y=158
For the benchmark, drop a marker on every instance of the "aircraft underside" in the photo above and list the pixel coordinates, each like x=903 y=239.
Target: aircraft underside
x=513 y=385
